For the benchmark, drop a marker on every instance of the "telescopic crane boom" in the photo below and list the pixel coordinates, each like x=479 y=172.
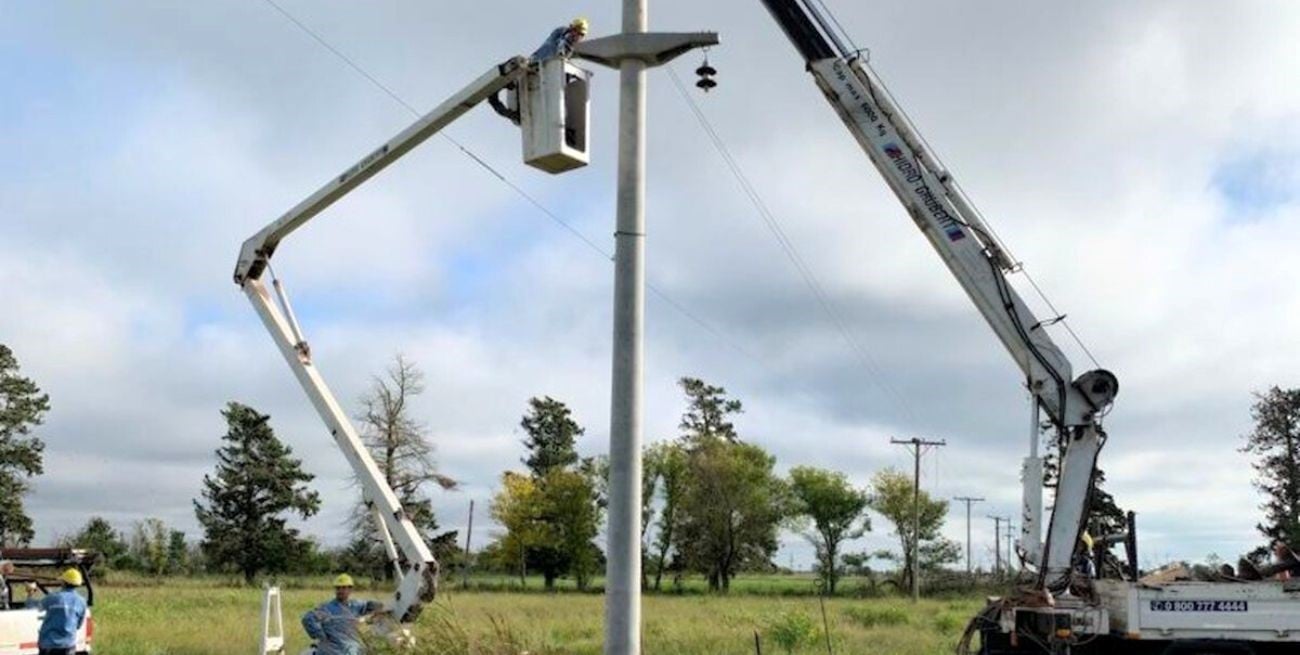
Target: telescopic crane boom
x=974 y=256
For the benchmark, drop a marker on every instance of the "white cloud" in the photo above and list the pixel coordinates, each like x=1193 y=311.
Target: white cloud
x=1091 y=135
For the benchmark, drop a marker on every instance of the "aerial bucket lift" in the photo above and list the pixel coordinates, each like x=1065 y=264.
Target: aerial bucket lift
x=549 y=101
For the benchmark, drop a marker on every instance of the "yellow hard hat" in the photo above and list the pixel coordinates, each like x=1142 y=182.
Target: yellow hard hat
x=580 y=24
x=344 y=580
x=72 y=578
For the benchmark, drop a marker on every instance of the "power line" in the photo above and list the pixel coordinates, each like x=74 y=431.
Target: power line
x=788 y=248
x=565 y=225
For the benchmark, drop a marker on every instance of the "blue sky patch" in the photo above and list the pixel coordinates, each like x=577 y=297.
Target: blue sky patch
x=1257 y=182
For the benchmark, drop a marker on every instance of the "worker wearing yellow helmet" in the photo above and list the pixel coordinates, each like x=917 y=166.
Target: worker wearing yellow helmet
x=333 y=625
x=65 y=612
x=562 y=39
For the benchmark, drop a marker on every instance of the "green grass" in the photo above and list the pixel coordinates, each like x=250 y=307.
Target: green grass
x=203 y=617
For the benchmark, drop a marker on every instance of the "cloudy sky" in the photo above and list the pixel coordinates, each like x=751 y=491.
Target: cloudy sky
x=1142 y=158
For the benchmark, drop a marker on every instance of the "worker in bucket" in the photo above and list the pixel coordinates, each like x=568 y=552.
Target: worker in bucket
x=65 y=612
x=333 y=625
x=562 y=39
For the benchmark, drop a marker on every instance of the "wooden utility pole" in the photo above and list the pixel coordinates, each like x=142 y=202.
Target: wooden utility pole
x=469 y=534
x=997 y=545
x=1011 y=529
x=918 y=447
x=969 y=501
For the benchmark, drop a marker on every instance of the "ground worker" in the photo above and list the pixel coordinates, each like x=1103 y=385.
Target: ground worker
x=65 y=612
x=32 y=601
x=1285 y=562
x=333 y=626
x=6 y=570
x=562 y=39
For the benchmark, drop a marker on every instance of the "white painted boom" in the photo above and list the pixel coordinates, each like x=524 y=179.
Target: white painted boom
x=974 y=256
x=416 y=567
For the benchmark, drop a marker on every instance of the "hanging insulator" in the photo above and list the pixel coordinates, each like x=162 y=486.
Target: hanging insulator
x=706 y=73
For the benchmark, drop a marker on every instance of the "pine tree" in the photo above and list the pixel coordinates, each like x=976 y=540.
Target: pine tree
x=22 y=408
x=1275 y=443
x=706 y=412
x=257 y=483
x=551 y=434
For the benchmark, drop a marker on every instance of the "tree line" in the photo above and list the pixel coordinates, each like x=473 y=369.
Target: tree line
x=713 y=502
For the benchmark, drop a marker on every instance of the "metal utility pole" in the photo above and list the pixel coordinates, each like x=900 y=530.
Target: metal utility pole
x=631 y=52
x=997 y=545
x=918 y=447
x=969 y=501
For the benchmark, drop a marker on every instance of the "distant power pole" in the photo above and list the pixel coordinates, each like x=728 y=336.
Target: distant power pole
x=1010 y=534
x=969 y=501
x=469 y=534
x=997 y=545
x=918 y=447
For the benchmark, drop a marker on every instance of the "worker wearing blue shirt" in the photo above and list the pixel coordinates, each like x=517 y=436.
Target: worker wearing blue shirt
x=333 y=625
x=562 y=39
x=65 y=612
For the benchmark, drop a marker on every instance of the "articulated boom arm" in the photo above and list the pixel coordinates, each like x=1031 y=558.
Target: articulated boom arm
x=974 y=257
x=411 y=558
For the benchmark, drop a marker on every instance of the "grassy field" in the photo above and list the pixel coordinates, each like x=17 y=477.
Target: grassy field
x=185 y=617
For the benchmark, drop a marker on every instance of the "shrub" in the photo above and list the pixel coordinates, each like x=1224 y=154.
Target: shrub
x=947 y=623
x=872 y=617
x=791 y=630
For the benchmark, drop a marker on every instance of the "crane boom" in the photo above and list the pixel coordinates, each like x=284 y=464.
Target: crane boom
x=973 y=255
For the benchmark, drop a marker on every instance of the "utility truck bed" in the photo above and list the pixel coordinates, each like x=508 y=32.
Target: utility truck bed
x=1261 y=612
x=20 y=625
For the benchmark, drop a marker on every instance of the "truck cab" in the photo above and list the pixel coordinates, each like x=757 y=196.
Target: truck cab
x=26 y=576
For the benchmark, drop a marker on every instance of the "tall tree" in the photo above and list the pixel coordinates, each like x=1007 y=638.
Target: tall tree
x=550 y=435
x=401 y=448
x=149 y=545
x=246 y=502
x=1275 y=445
x=517 y=507
x=553 y=514
x=731 y=511
x=22 y=408
x=835 y=509
x=98 y=535
x=667 y=463
x=570 y=522
x=707 y=412
x=892 y=497
x=178 y=553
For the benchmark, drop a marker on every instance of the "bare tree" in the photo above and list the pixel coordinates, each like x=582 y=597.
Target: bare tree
x=401 y=447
